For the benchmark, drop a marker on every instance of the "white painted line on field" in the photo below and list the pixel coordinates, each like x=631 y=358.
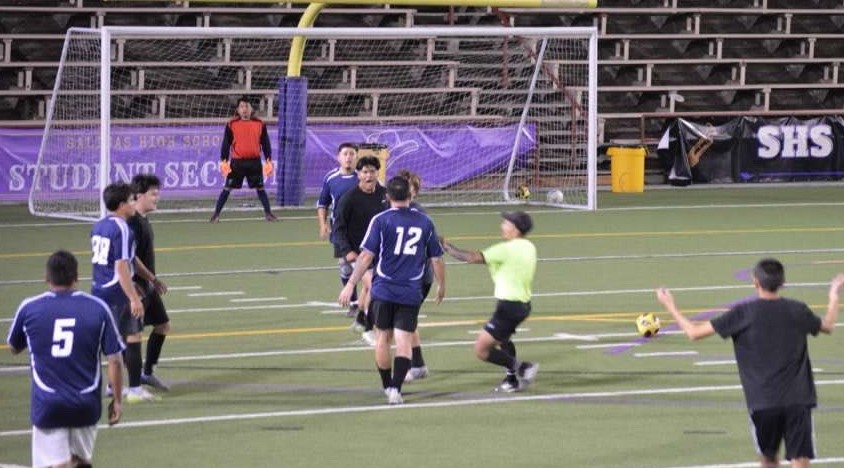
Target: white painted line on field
x=570 y=336
x=217 y=293
x=605 y=345
x=183 y=288
x=411 y=406
x=7 y=465
x=726 y=362
x=10 y=370
x=666 y=353
x=334 y=312
x=260 y=299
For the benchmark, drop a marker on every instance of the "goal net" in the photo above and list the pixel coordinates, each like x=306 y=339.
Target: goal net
x=486 y=115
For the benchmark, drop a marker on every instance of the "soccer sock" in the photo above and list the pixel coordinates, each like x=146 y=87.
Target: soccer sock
x=265 y=202
x=401 y=366
x=386 y=377
x=417 y=360
x=368 y=325
x=132 y=356
x=509 y=348
x=501 y=358
x=221 y=201
x=154 y=344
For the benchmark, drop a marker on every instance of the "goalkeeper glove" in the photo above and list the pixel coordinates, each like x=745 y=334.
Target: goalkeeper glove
x=225 y=168
x=268 y=168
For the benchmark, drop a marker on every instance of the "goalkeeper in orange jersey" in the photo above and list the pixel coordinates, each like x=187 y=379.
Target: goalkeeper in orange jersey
x=240 y=157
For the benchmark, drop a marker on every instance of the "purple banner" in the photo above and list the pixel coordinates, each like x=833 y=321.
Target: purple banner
x=185 y=157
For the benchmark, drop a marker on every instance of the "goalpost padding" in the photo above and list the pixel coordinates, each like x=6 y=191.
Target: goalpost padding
x=480 y=113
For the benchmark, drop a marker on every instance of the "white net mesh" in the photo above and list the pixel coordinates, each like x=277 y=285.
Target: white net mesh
x=489 y=116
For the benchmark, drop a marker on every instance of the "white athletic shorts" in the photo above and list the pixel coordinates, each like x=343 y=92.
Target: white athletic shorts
x=56 y=446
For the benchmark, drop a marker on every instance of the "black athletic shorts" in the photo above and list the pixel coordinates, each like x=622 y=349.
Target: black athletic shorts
x=250 y=169
x=154 y=311
x=389 y=315
x=507 y=316
x=790 y=423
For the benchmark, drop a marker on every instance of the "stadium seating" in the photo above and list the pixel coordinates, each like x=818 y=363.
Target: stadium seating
x=654 y=55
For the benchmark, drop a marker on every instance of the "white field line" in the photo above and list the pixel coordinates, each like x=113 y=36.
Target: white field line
x=816 y=461
x=217 y=293
x=725 y=362
x=184 y=288
x=666 y=353
x=260 y=299
x=412 y=406
x=605 y=345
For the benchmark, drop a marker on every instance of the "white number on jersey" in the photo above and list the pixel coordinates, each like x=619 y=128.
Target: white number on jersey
x=100 y=247
x=407 y=247
x=63 y=337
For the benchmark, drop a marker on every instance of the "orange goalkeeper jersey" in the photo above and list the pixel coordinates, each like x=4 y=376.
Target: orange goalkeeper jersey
x=245 y=139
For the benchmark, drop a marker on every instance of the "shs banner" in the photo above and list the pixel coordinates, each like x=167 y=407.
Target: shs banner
x=753 y=149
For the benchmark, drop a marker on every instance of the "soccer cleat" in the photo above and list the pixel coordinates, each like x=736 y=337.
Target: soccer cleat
x=353 y=311
x=270 y=217
x=527 y=373
x=510 y=384
x=359 y=325
x=110 y=393
x=368 y=337
x=215 y=218
x=154 y=382
x=416 y=373
x=140 y=395
x=393 y=396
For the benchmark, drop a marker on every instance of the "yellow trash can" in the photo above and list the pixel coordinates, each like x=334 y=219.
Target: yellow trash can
x=382 y=152
x=627 y=168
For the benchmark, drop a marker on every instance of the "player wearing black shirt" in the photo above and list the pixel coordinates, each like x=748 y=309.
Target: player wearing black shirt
x=769 y=339
x=147 y=189
x=354 y=211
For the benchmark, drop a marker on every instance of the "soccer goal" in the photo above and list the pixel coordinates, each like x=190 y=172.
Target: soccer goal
x=486 y=115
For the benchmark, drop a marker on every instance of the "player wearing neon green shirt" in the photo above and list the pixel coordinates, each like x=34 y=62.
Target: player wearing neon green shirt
x=512 y=264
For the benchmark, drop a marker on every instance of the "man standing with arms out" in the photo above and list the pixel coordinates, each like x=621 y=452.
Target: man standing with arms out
x=402 y=240
x=353 y=214
x=114 y=263
x=512 y=265
x=769 y=339
x=336 y=183
x=148 y=191
x=65 y=331
x=245 y=139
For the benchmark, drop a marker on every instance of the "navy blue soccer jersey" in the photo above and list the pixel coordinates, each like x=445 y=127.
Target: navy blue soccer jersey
x=66 y=333
x=111 y=241
x=402 y=240
x=334 y=185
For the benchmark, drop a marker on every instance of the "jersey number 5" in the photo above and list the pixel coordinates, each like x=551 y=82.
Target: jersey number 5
x=407 y=246
x=100 y=247
x=63 y=337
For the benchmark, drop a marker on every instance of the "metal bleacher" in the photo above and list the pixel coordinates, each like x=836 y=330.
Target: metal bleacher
x=674 y=56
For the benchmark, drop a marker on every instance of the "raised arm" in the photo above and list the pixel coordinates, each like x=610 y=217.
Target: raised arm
x=831 y=317
x=694 y=330
x=468 y=256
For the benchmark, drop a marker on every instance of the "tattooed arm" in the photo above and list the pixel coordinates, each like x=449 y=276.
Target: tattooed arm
x=468 y=256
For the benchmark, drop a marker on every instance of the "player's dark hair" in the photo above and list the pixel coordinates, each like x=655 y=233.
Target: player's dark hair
x=244 y=99
x=62 y=269
x=347 y=145
x=368 y=161
x=117 y=193
x=770 y=274
x=142 y=183
x=412 y=178
x=398 y=188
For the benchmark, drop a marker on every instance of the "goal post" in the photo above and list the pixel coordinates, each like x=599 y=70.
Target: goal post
x=485 y=115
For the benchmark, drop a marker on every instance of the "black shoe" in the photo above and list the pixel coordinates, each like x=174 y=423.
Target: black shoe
x=215 y=218
x=527 y=373
x=510 y=384
x=270 y=217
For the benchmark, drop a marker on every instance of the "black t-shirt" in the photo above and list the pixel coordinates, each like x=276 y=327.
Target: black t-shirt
x=143 y=242
x=352 y=216
x=769 y=339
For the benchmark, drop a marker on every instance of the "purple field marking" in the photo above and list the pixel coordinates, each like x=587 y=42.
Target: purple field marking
x=624 y=347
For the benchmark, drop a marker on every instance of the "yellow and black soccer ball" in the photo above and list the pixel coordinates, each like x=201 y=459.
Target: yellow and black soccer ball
x=523 y=192
x=648 y=325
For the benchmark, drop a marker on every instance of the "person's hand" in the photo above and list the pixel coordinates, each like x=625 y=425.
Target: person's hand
x=136 y=308
x=324 y=231
x=225 y=168
x=159 y=287
x=664 y=296
x=115 y=412
x=351 y=257
x=835 y=286
x=345 y=297
x=440 y=293
x=268 y=168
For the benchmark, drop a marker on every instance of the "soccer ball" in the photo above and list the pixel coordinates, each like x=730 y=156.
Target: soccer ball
x=523 y=192
x=555 y=196
x=648 y=324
